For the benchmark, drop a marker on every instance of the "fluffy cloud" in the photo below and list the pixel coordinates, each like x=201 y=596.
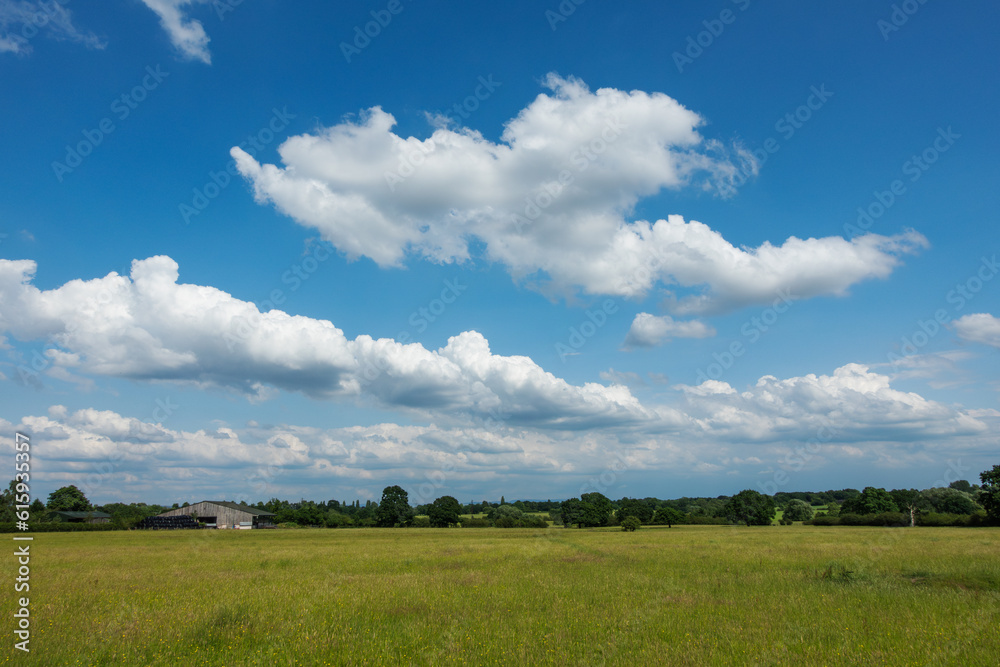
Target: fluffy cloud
x=149 y=327
x=550 y=201
x=186 y=34
x=113 y=457
x=853 y=416
x=852 y=405
x=649 y=330
x=21 y=20
x=979 y=328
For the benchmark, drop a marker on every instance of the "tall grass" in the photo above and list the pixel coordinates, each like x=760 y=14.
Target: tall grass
x=691 y=595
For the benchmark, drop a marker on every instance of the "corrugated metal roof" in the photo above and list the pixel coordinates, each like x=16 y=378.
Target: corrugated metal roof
x=237 y=506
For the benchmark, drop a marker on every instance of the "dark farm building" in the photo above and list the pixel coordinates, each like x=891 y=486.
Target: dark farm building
x=223 y=514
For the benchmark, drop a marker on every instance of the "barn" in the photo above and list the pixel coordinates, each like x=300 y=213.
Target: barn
x=224 y=514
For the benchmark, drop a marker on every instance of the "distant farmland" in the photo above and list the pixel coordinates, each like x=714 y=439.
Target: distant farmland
x=690 y=595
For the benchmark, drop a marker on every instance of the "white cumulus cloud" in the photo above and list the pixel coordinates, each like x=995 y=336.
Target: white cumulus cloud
x=149 y=327
x=853 y=404
x=649 y=330
x=979 y=328
x=551 y=201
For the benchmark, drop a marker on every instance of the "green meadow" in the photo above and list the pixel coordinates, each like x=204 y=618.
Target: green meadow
x=688 y=595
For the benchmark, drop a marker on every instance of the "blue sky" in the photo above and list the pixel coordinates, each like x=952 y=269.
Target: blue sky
x=530 y=249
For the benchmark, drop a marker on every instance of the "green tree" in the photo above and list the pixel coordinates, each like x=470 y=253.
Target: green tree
x=37 y=509
x=308 y=514
x=798 y=510
x=634 y=507
x=989 y=493
x=910 y=500
x=394 y=510
x=871 y=501
x=572 y=511
x=68 y=499
x=950 y=501
x=962 y=485
x=669 y=516
x=504 y=516
x=596 y=509
x=8 y=499
x=751 y=507
x=631 y=523
x=444 y=512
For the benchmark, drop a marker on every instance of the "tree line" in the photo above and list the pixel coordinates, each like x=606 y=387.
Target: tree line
x=960 y=503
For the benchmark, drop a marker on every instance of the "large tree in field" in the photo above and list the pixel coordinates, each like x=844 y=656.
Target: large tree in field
x=68 y=499
x=571 y=512
x=989 y=494
x=394 y=510
x=444 y=512
x=751 y=507
x=596 y=508
x=871 y=501
x=589 y=510
x=798 y=510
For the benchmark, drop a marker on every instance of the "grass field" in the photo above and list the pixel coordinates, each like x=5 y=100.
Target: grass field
x=691 y=595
